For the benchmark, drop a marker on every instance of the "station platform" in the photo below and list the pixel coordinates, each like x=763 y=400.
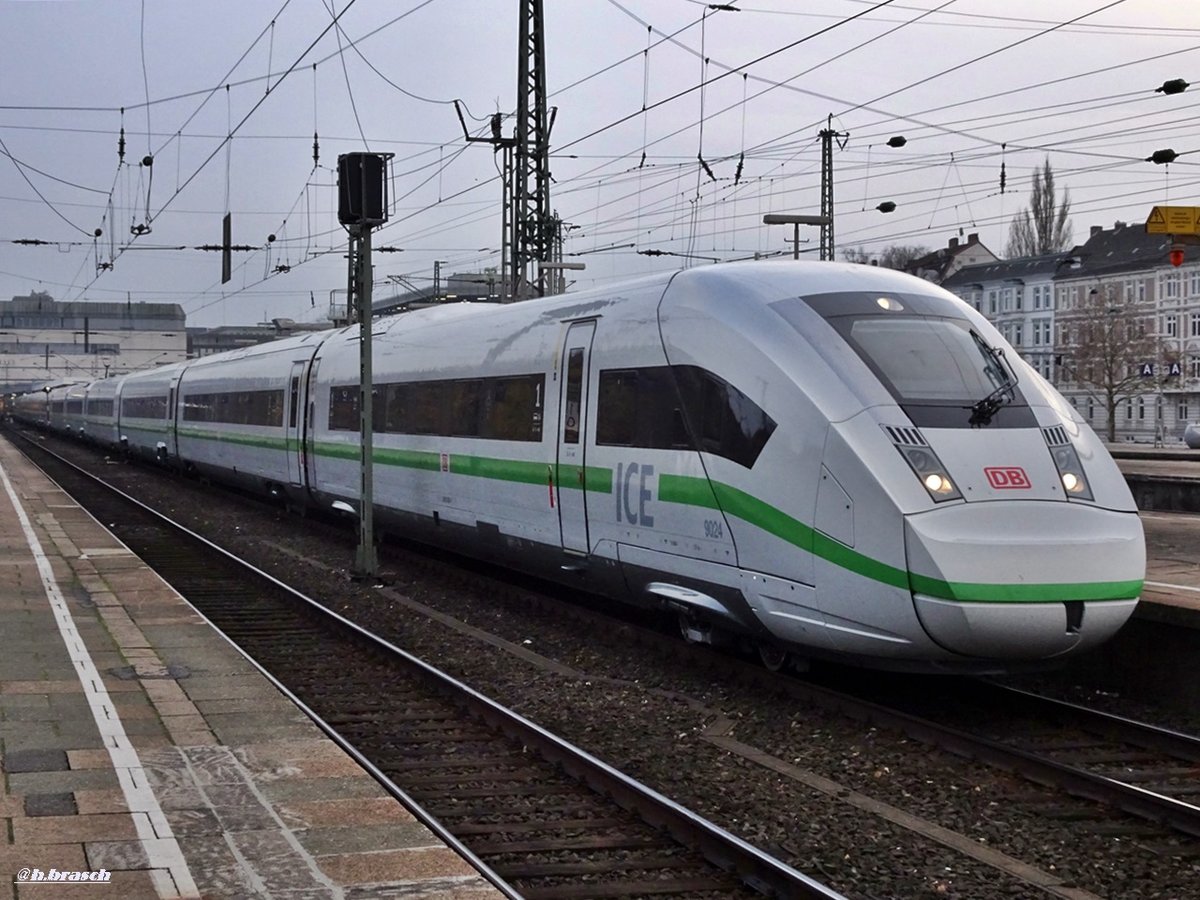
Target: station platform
x=141 y=750
x=1165 y=482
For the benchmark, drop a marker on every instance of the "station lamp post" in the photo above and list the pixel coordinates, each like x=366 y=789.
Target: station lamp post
x=795 y=221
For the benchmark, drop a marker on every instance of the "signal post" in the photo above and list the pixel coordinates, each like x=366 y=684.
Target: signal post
x=362 y=204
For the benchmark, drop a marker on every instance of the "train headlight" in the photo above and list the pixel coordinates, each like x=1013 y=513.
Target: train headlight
x=938 y=484
x=1070 y=471
x=929 y=469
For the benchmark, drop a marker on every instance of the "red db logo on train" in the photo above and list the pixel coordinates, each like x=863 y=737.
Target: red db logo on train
x=1007 y=478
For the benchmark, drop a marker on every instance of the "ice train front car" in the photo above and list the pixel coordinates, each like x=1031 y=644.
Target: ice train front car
x=924 y=499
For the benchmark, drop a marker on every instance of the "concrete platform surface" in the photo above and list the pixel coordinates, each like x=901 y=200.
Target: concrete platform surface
x=138 y=746
x=1172 y=567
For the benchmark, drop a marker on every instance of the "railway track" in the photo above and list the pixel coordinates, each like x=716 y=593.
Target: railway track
x=1144 y=770
x=537 y=816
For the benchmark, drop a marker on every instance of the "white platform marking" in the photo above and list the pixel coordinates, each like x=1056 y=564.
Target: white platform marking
x=153 y=831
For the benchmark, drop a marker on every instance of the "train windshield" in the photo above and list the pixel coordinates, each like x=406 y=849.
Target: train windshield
x=929 y=356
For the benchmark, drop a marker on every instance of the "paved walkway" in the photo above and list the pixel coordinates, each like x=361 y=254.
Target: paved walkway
x=137 y=744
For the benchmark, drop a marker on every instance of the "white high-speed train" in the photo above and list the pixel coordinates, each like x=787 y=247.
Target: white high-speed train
x=823 y=459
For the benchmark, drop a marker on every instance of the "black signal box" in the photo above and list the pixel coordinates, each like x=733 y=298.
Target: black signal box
x=362 y=188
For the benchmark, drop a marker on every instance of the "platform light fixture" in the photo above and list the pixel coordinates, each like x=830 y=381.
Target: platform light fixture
x=795 y=220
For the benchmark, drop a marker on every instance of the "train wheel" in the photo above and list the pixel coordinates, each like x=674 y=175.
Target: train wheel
x=773 y=658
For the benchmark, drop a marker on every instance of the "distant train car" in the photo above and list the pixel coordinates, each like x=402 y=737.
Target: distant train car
x=100 y=413
x=72 y=416
x=56 y=405
x=240 y=414
x=31 y=407
x=146 y=411
x=824 y=460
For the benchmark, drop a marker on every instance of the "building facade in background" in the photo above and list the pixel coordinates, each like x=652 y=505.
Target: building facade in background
x=1111 y=323
x=43 y=339
x=207 y=341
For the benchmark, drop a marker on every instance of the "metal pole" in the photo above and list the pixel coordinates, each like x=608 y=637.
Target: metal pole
x=367 y=566
x=796 y=241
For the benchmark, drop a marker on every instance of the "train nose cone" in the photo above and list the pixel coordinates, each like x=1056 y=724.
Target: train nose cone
x=1028 y=580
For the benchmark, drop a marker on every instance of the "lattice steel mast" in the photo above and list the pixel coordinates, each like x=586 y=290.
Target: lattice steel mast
x=532 y=228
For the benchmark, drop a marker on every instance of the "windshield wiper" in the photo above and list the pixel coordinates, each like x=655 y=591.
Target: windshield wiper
x=1001 y=374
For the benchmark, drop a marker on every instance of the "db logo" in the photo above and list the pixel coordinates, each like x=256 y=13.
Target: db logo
x=1007 y=478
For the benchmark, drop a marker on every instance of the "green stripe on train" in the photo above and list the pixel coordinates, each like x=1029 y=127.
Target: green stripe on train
x=517 y=471
x=263 y=442
x=700 y=492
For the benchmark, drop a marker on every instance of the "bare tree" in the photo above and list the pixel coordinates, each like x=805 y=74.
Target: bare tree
x=896 y=256
x=1107 y=343
x=900 y=256
x=1042 y=227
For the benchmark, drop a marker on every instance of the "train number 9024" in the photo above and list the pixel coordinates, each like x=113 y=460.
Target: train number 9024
x=714 y=529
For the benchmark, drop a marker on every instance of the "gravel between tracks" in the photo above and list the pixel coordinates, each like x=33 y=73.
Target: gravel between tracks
x=646 y=715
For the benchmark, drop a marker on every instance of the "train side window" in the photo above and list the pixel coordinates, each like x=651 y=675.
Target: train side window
x=616 y=412
x=427 y=412
x=511 y=408
x=641 y=408
x=102 y=408
x=464 y=408
x=140 y=407
x=506 y=408
x=293 y=400
x=724 y=420
x=393 y=398
x=574 y=402
x=343 y=408
x=268 y=408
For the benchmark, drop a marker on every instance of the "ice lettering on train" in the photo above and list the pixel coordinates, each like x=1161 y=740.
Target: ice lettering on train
x=631 y=489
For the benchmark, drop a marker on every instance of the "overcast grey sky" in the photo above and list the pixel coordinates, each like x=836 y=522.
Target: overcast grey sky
x=971 y=84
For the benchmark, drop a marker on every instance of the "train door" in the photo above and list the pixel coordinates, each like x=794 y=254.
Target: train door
x=572 y=437
x=168 y=448
x=292 y=437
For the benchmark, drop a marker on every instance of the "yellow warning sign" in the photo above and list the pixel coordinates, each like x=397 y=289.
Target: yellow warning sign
x=1173 y=220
